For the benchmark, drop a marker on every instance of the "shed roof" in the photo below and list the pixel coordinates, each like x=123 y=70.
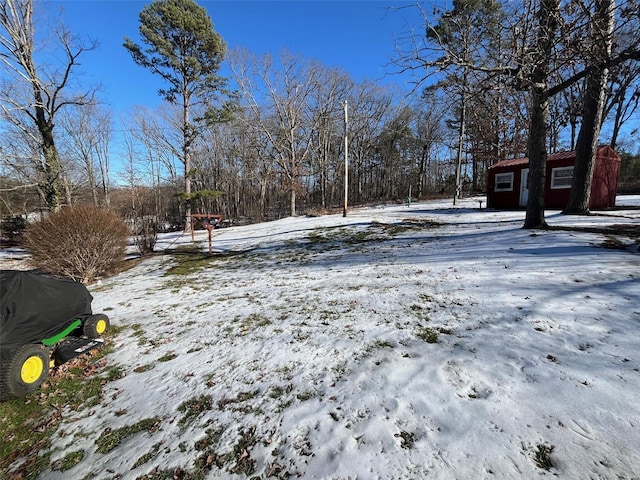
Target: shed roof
x=524 y=160
x=604 y=150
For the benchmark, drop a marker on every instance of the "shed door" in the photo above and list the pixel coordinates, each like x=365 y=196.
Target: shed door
x=524 y=187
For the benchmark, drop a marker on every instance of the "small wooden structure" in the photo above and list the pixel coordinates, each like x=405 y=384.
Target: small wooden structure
x=207 y=220
x=507 y=182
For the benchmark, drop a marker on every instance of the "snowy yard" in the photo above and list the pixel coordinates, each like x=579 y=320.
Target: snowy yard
x=400 y=342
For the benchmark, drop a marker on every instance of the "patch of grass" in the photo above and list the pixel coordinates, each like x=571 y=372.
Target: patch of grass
x=318 y=236
x=167 y=357
x=138 y=331
x=425 y=297
x=361 y=236
x=79 y=387
x=429 y=335
x=329 y=237
x=420 y=312
x=27 y=424
x=306 y=395
x=283 y=404
x=211 y=438
x=194 y=407
x=240 y=453
x=114 y=330
x=381 y=344
x=247 y=324
x=143 y=368
x=236 y=461
x=189 y=260
x=150 y=455
x=255 y=320
x=241 y=398
x=111 y=439
x=69 y=461
x=277 y=391
x=374 y=346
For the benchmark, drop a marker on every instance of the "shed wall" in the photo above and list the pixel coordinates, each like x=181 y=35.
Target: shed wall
x=603 y=188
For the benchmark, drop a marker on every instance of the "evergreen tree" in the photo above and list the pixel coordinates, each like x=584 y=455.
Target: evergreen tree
x=182 y=47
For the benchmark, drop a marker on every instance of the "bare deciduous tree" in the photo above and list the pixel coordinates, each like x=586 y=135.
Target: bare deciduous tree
x=35 y=94
x=87 y=138
x=280 y=110
x=601 y=35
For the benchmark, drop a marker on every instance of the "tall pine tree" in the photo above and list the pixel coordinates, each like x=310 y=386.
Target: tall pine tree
x=181 y=46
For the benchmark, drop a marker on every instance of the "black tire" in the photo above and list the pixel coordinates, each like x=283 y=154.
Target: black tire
x=23 y=370
x=96 y=325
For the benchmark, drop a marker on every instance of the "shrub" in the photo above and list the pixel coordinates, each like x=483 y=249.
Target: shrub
x=146 y=235
x=79 y=242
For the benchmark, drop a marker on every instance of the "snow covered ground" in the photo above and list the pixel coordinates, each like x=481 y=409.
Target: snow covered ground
x=399 y=342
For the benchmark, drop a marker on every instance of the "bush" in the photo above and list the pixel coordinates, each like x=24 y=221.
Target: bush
x=80 y=242
x=146 y=235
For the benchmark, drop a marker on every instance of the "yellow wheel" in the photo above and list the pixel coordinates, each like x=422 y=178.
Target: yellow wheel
x=32 y=369
x=96 y=325
x=101 y=326
x=23 y=370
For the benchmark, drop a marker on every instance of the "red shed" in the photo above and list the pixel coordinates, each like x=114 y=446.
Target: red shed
x=507 y=181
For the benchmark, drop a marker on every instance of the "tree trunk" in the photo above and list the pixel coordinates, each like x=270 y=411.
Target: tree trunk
x=186 y=150
x=293 y=201
x=263 y=198
x=537 y=151
x=422 y=170
x=50 y=183
x=589 y=135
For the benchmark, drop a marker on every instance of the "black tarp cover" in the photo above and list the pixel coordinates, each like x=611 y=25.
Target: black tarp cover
x=34 y=307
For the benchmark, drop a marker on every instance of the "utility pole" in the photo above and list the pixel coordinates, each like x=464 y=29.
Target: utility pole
x=346 y=161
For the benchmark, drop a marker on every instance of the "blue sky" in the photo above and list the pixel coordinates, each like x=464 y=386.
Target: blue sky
x=356 y=35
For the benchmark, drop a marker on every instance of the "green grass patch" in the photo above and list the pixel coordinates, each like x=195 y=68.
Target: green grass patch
x=306 y=395
x=111 y=439
x=242 y=397
x=211 y=438
x=143 y=368
x=167 y=357
x=150 y=455
x=251 y=322
x=193 y=407
x=188 y=261
x=27 y=424
x=69 y=461
x=429 y=335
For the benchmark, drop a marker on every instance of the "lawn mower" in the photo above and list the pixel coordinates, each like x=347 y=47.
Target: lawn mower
x=44 y=322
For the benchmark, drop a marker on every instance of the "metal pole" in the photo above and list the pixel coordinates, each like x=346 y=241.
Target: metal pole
x=346 y=162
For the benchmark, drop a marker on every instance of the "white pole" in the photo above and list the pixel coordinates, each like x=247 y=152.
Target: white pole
x=346 y=162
